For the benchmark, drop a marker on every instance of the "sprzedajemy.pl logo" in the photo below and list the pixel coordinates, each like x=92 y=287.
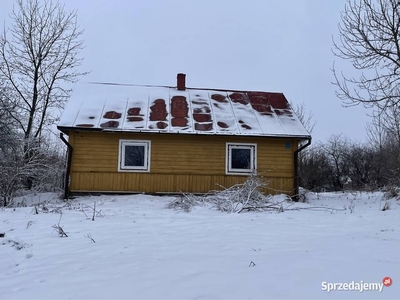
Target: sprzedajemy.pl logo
x=360 y=286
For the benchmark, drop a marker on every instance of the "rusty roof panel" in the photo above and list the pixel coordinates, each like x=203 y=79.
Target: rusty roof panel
x=114 y=109
x=166 y=109
x=85 y=125
x=219 y=97
x=86 y=111
x=159 y=111
x=223 y=112
x=203 y=126
x=179 y=122
x=135 y=119
x=180 y=107
x=239 y=98
x=179 y=111
x=112 y=115
x=134 y=111
x=260 y=102
x=137 y=111
x=244 y=113
x=278 y=101
x=161 y=125
x=200 y=117
x=110 y=124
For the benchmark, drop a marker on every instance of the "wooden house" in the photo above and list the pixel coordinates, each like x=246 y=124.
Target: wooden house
x=148 y=139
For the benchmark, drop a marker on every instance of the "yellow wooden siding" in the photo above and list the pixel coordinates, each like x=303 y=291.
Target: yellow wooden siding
x=187 y=163
x=165 y=183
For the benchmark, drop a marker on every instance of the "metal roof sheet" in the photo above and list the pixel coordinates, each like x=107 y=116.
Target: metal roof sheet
x=192 y=111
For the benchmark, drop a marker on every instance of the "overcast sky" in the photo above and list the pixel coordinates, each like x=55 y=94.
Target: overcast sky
x=265 y=45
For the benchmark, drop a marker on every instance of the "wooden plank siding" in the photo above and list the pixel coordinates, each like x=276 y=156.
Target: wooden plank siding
x=179 y=163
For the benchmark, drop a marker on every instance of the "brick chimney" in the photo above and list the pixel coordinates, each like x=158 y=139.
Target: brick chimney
x=181 y=78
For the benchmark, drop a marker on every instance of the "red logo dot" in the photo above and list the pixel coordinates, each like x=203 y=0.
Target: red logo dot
x=387 y=281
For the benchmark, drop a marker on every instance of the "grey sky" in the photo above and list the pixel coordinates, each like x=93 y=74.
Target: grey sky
x=277 y=46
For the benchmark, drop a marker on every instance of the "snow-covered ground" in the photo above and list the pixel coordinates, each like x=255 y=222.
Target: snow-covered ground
x=144 y=251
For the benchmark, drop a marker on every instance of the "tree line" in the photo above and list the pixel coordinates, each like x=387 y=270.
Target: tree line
x=369 y=40
x=341 y=164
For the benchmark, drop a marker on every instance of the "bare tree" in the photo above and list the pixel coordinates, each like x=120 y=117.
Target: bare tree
x=377 y=139
x=336 y=149
x=39 y=59
x=384 y=135
x=360 y=160
x=376 y=134
x=4 y=125
x=391 y=122
x=38 y=54
x=306 y=118
x=315 y=169
x=369 y=39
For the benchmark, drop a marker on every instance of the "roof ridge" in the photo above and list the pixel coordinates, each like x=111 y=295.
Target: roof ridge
x=174 y=87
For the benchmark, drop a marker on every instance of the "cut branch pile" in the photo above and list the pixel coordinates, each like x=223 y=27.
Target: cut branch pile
x=241 y=197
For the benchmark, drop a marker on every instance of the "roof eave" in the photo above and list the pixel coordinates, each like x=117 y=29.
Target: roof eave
x=67 y=129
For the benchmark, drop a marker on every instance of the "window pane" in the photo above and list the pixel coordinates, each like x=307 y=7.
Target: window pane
x=241 y=159
x=134 y=156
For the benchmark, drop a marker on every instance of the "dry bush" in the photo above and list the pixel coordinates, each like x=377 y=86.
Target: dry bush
x=184 y=202
x=387 y=206
x=351 y=206
x=46 y=207
x=303 y=195
x=44 y=169
x=59 y=229
x=391 y=192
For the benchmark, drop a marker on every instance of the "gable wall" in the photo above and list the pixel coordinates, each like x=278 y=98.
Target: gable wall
x=187 y=163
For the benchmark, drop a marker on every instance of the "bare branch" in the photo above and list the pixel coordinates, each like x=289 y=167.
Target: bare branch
x=369 y=41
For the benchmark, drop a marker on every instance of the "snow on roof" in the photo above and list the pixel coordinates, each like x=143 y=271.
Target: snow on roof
x=126 y=108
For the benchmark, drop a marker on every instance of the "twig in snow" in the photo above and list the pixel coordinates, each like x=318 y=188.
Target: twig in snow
x=317 y=208
x=29 y=224
x=94 y=210
x=89 y=236
x=95 y=213
x=59 y=229
x=387 y=206
x=83 y=211
x=279 y=207
x=252 y=264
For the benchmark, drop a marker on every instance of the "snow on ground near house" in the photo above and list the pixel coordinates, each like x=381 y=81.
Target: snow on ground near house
x=144 y=251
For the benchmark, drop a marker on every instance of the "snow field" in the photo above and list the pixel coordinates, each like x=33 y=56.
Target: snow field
x=144 y=251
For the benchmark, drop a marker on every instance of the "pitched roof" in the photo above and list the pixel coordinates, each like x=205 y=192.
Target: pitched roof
x=111 y=107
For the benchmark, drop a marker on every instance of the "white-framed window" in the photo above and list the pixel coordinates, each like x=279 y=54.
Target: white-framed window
x=134 y=156
x=241 y=159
